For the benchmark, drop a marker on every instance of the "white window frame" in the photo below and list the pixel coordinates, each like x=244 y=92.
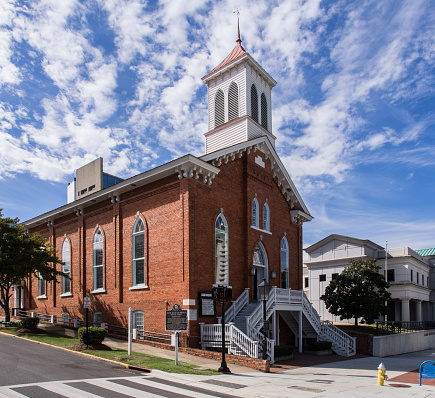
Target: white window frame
x=42 y=288
x=98 y=244
x=255 y=213
x=136 y=259
x=222 y=266
x=266 y=217
x=135 y=324
x=66 y=268
x=284 y=264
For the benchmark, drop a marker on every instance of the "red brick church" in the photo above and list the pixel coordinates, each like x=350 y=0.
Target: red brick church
x=232 y=216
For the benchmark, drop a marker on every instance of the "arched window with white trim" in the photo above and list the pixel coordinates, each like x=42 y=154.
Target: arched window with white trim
x=263 y=111
x=98 y=283
x=233 y=101
x=66 y=267
x=254 y=103
x=219 y=108
x=221 y=250
x=255 y=215
x=41 y=285
x=284 y=264
x=266 y=217
x=138 y=320
x=138 y=253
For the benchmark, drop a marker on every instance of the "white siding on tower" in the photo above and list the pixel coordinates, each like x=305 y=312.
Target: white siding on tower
x=252 y=77
x=223 y=82
x=225 y=137
x=255 y=131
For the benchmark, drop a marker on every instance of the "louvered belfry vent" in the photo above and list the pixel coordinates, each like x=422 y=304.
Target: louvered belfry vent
x=219 y=108
x=263 y=111
x=254 y=103
x=233 y=102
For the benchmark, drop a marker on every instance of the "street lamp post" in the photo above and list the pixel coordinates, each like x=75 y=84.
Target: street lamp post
x=264 y=290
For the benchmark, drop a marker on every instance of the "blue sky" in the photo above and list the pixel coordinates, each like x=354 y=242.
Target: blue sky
x=353 y=110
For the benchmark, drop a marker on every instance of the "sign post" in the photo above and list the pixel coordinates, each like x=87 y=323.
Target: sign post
x=87 y=305
x=130 y=313
x=176 y=321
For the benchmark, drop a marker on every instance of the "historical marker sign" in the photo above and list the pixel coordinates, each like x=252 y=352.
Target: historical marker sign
x=176 y=319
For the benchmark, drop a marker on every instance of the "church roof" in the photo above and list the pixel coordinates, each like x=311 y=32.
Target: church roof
x=238 y=51
x=236 y=56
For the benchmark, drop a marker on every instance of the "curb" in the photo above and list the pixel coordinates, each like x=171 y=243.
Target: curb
x=82 y=353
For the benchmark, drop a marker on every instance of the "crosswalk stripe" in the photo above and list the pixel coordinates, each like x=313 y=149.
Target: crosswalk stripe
x=120 y=389
x=192 y=391
x=69 y=391
x=7 y=393
x=208 y=392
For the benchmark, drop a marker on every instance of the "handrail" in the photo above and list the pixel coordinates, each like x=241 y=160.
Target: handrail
x=236 y=306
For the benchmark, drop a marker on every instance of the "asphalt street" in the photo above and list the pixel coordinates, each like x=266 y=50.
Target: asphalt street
x=23 y=361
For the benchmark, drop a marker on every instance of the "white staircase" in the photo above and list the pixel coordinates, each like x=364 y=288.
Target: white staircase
x=244 y=322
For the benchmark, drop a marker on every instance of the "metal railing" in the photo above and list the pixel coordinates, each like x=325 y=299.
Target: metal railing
x=396 y=327
x=113 y=330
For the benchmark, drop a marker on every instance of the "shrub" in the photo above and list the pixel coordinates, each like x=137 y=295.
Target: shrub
x=96 y=335
x=283 y=350
x=319 y=346
x=29 y=323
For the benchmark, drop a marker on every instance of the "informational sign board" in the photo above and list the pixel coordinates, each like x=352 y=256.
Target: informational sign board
x=87 y=302
x=176 y=319
x=207 y=304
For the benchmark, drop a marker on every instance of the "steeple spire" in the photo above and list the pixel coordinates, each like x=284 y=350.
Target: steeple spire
x=238 y=41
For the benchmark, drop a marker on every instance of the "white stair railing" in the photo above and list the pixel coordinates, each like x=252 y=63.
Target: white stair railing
x=236 y=307
x=345 y=343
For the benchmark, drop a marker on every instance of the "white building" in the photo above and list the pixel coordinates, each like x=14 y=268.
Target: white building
x=408 y=273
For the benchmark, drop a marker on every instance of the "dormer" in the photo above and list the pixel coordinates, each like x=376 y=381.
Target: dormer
x=239 y=100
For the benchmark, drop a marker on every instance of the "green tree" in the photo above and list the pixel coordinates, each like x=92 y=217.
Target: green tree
x=360 y=291
x=21 y=256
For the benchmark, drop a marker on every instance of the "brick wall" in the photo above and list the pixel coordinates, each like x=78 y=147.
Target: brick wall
x=179 y=218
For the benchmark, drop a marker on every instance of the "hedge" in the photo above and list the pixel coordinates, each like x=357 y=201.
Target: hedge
x=96 y=335
x=29 y=323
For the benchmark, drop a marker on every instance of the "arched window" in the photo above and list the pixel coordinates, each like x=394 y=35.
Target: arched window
x=255 y=215
x=97 y=319
x=233 y=102
x=259 y=256
x=221 y=250
x=219 y=108
x=98 y=260
x=263 y=111
x=284 y=264
x=138 y=322
x=66 y=268
x=41 y=285
x=266 y=217
x=254 y=103
x=138 y=253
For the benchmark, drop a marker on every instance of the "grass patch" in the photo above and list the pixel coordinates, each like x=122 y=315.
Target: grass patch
x=118 y=355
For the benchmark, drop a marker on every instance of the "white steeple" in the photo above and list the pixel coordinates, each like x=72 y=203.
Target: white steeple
x=239 y=100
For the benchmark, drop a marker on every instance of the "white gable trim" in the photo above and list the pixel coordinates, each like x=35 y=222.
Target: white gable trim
x=263 y=144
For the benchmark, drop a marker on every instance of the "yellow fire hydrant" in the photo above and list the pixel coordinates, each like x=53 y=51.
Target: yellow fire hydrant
x=382 y=376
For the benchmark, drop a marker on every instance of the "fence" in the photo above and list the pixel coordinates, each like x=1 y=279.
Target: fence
x=113 y=330
x=397 y=327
